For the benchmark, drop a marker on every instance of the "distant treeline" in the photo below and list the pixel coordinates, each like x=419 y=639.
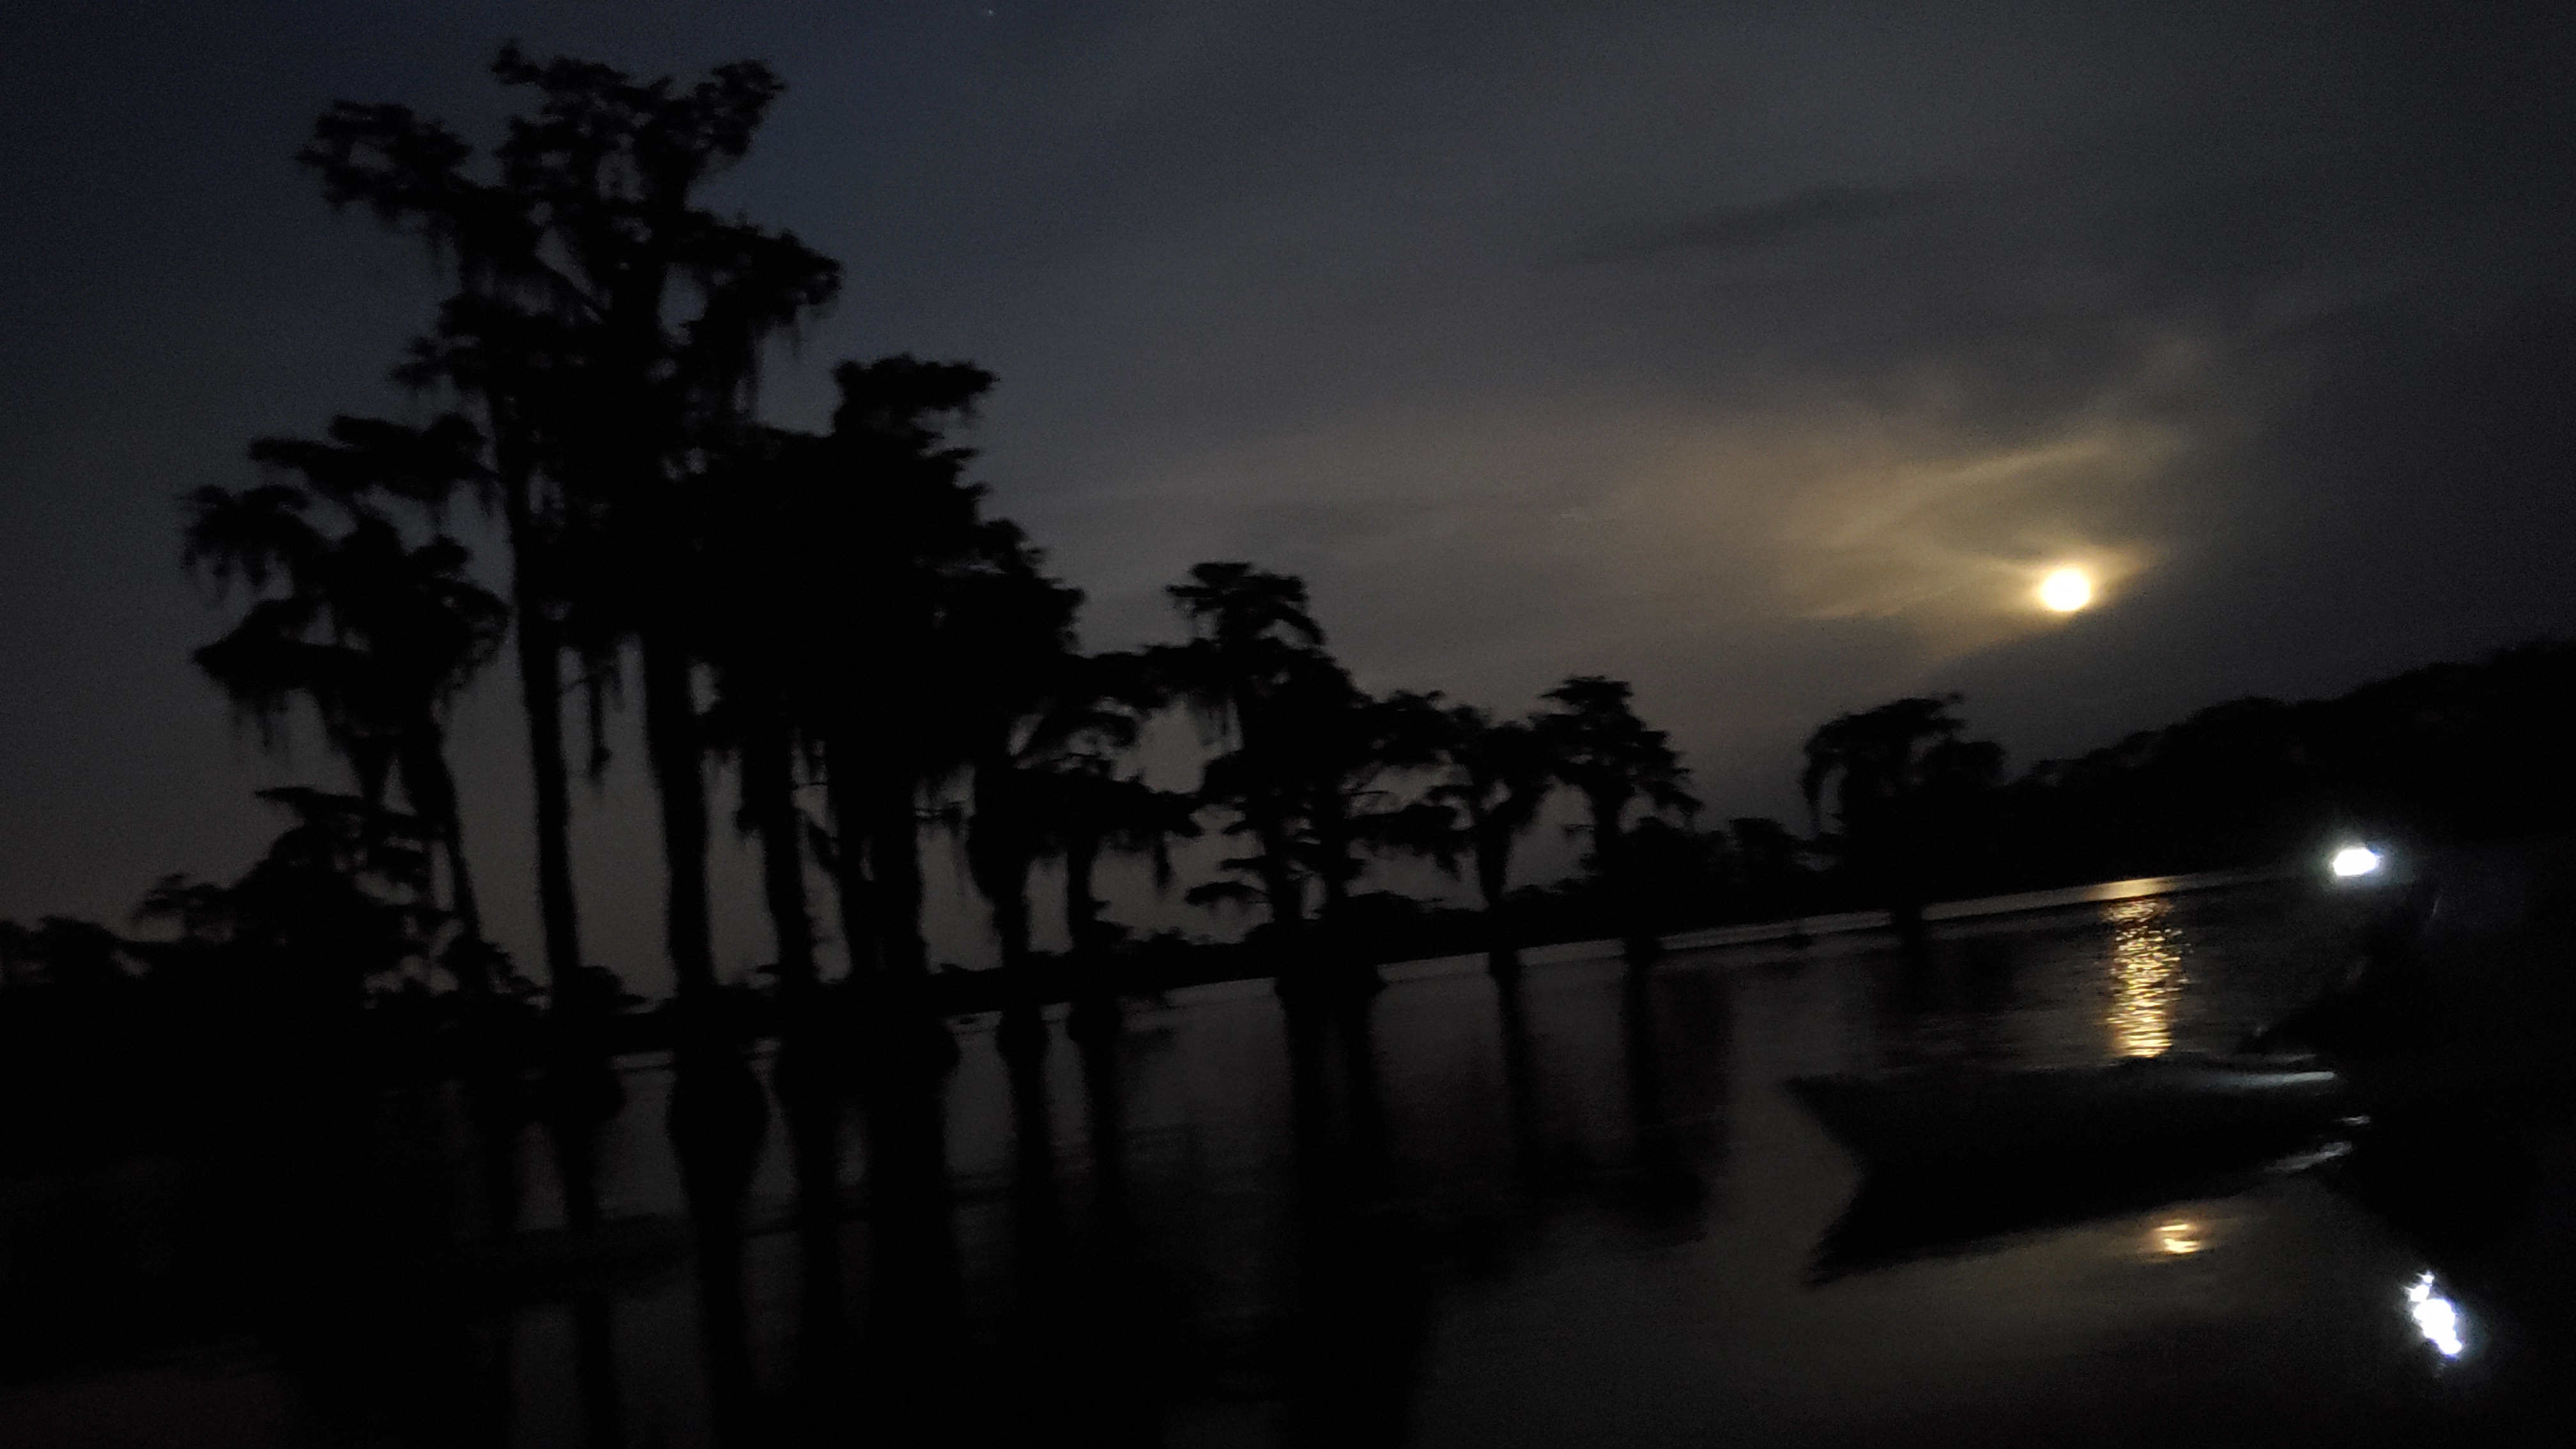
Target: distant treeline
x=1910 y=810
x=2446 y=754
x=2443 y=755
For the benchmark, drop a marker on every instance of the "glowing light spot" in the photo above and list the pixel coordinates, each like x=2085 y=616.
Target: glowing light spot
x=2436 y=1317
x=2178 y=1238
x=2066 y=590
x=2146 y=976
x=2354 y=860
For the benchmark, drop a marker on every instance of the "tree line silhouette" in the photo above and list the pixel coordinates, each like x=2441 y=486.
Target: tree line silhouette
x=838 y=617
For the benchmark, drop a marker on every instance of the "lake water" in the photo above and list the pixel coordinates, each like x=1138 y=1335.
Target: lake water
x=1582 y=1213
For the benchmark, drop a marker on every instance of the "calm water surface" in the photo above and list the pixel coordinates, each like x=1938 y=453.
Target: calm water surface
x=1581 y=1212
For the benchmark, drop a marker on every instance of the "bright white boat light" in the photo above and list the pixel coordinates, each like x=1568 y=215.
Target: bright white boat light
x=2436 y=1317
x=2355 y=860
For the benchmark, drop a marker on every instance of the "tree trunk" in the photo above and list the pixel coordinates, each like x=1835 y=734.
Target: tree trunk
x=1906 y=895
x=1344 y=966
x=671 y=742
x=432 y=787
x=844 y=770
x=1011 y=921
x=1023 y=1027
x=1000 y=848
x=541 y=695
x=1905 y=905
x=1336 y=853
x=1637 y=945
x=1081 y=907
x=460 y=880
x=1287 y=899
x=894 y=855
x=1296 y=973
x=1279 y=882
x=1095 y=1003
x=769 y=795
x=1493 y=878
x=903 y=1003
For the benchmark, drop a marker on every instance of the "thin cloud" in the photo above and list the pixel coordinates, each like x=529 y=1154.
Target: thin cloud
x=1799 y=217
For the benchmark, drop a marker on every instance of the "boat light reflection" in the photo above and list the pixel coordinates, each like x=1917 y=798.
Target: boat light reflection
x=2146 y=976
x=2436 y=1317
x=2179 y=1238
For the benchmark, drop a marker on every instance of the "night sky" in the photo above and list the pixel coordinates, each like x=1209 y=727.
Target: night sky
x=1760 y=354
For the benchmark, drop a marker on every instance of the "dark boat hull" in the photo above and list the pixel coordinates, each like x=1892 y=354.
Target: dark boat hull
x=2150 y=1115
x=1955 y=1159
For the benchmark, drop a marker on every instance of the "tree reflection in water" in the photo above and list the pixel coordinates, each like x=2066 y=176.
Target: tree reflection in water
x=1228 y=1222
x=1358 y=1308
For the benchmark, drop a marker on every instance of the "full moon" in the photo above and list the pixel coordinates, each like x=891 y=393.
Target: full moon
x=2066 y=590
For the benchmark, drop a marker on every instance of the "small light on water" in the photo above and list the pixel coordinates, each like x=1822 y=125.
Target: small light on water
x=2354 y=860
x=2178 y=1238
x=2436 y=1317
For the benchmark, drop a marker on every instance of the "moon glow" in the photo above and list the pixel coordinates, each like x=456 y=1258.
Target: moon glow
x=2066 y=590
